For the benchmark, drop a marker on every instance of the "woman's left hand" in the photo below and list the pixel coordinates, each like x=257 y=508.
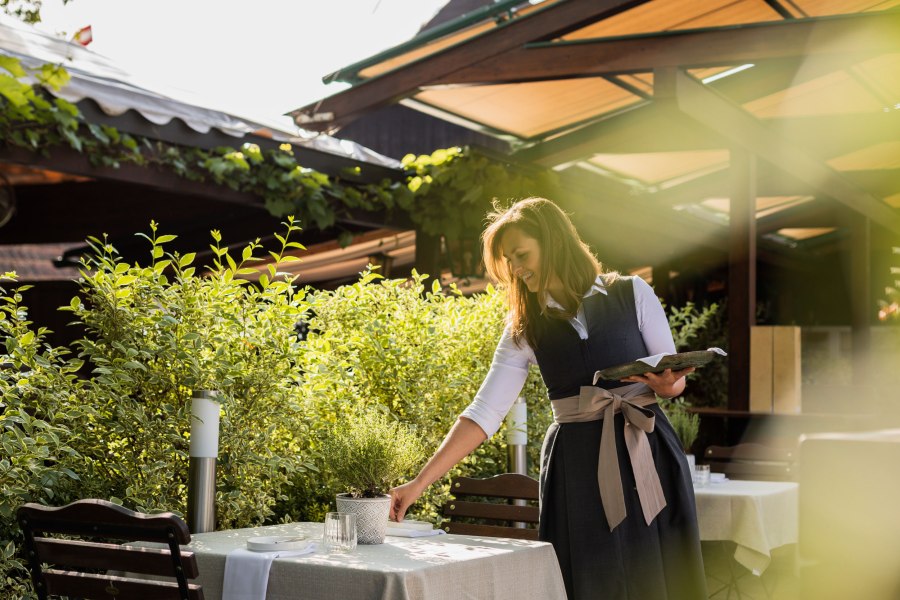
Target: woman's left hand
x=667 y=384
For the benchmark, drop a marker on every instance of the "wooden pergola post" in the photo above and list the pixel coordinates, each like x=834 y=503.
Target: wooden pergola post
x=428 y=256
x=741 y=276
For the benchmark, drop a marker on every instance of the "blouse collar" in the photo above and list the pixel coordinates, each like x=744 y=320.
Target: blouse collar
x=598 y=287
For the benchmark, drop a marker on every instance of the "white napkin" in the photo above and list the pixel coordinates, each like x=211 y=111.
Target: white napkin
x=411 y=533
x=654 y=360
x=247 y=572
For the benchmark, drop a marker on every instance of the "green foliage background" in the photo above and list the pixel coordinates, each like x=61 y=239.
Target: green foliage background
x=698 y=328
x=159 y=330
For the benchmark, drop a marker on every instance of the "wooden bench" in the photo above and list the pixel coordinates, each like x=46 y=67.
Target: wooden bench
x=81 y=568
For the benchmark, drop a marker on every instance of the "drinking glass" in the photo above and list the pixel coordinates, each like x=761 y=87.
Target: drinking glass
x=340 y=532
x=701 y=475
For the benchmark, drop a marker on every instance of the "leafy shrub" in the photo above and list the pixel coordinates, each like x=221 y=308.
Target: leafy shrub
x=389 y=346
x=369 y=453
x=40 y=394
x=157 y=333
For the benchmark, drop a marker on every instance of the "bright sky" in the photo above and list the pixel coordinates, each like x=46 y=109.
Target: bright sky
x=252 y=58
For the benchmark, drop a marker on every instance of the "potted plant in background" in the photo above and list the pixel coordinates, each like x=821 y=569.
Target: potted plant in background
x=366 y=455
x=686 y=425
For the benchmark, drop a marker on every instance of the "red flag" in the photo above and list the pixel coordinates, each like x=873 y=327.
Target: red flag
x=83 y=36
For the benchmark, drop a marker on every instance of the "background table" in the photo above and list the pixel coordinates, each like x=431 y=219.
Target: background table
x=757 y=516
x=442 y=567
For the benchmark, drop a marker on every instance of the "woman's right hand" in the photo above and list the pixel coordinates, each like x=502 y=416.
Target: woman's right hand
x=402 y=497
x=463 y=438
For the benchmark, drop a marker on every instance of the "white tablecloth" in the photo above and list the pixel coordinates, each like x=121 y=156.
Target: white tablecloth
x=757 y=515
x=445 y=567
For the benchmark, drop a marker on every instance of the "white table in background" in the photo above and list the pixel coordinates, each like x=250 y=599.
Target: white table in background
x=442 y=567
x=757 y=516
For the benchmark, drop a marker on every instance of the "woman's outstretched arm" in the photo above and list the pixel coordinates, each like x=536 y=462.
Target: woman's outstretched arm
x=463 y=438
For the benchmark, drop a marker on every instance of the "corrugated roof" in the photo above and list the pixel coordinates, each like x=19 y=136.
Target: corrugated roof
x=116 y=92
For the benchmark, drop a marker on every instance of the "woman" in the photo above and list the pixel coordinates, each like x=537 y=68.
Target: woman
x=620 y=514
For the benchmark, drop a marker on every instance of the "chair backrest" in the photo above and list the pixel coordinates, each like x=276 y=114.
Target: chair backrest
x=753 y=461
x=492 y=518
x=82 y=568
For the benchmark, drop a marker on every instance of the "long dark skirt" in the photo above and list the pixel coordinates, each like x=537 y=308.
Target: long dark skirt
x=661 y=561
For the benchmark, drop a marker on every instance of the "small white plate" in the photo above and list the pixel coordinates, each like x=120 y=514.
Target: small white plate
x=278 y=542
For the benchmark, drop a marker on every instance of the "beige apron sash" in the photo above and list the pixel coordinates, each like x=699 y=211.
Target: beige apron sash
x=595 y=403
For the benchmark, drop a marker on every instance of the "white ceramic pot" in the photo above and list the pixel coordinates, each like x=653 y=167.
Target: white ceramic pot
x=371 y=516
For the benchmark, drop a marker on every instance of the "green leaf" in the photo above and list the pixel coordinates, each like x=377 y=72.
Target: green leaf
x=98 y=133
x=71 y=137
x=53 y=76
x=13 y=90
x=187 y=259
x=12 y=65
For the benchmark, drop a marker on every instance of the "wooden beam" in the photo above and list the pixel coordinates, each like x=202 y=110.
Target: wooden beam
x=741 y=128
x=741 y=276
x=776 y=75
x=655 y=127
x=829 y=136
x=660 y=127
x=815 y=213
x=856 y=35
x=773 y=182
x=552 y=21
x=69 y=161
x=644 y=128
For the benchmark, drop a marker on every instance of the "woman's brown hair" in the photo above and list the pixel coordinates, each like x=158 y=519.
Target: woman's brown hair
x=562 y=253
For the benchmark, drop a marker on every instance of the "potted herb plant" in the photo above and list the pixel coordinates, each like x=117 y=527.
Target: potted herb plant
x=685 y=424
x=366 y=455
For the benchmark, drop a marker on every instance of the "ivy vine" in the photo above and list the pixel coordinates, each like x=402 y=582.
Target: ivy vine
x=445 y=193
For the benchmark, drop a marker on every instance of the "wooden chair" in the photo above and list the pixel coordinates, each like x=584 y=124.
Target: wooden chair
x=753 y=461
x=501 y=518
x=80 y=568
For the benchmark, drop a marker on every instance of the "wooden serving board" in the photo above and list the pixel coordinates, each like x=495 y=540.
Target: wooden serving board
x=676 y=362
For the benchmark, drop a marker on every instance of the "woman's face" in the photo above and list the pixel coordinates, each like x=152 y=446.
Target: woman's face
x=523 y=254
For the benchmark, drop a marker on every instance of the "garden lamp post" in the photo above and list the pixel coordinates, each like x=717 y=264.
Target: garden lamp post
x=204 y=450
x=517 y=441
x=517 y=436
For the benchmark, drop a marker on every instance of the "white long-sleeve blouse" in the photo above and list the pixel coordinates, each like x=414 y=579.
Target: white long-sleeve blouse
x=509 y=369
